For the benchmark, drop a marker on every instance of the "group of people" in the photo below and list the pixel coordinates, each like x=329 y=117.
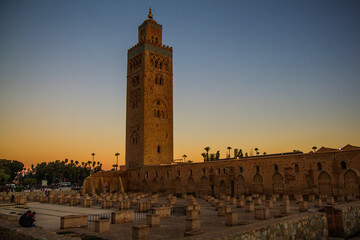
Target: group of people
x=27 y=219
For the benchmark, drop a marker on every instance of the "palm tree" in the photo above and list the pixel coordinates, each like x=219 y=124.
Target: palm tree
x=229 y=148
x=203 y=155
x=314 y=148
x=117 y=160
x=184 y=156
x=207 y=149
x=256 y=150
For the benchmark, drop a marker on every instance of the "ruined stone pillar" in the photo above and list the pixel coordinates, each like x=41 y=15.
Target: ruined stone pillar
x=140 y=232
x=231 y=219
x=153 y=220
x=102 y=225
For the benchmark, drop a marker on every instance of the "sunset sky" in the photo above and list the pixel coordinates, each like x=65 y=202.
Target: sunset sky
x=276 y=75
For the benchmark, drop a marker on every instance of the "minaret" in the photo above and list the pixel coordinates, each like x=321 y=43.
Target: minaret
x=149 y=106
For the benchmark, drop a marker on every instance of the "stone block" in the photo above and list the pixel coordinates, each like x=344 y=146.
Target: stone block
x=221 y=211
x=340 y=198
x=330 y=201
x=73 y=221
x=122 y=216
x=249 y=207
x=350 y=197
x=73 y=202
x=285 y=197
x=263 y=197
x=269 y=204
x=162 y=211
x=299 y=198
x=303 y=206
x=20 y=200
x=318 y=203
x=285 y=209
x=102 y=225
x=61 y=201
x=219 y=204
x=87 y=203
x=240 y=203
x=262 y=213
x=227 y=209
x=311 y=198
x=233 y=201
x=140 y=232
x=257 y=201
x=192 y=225
x=190 y=214
x=231 y=219
x=286 y=201
x=153 y=220
x=197 y=208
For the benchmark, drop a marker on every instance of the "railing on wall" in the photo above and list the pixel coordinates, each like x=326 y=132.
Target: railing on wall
x=93 y=217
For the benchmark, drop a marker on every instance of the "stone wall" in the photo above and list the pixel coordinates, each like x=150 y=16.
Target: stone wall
x=325 y=173
x=311 y=173
x=311 y=226
x=344 y=219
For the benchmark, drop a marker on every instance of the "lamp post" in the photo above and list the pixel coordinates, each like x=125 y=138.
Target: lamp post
x=117 y=160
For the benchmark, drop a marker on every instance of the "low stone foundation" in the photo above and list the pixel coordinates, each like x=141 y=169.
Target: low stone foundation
x=74 y=221
x=344 y=219
x=310 y=226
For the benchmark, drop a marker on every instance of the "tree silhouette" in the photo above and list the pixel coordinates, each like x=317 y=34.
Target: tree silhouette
x=257 y=151
x=217 y=155
x=207 y=149
x=184 y=156
x=314 y=148
x=203 y=155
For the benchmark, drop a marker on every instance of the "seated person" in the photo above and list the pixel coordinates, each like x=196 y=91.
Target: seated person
x=29 y=219
x=22 y=218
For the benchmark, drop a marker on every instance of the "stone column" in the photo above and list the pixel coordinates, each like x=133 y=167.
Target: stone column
x=140 y=232
x=231 y=219
x=153 y=220
x=102 y=225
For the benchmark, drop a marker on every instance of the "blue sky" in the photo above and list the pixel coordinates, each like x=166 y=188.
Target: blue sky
x=277 y=75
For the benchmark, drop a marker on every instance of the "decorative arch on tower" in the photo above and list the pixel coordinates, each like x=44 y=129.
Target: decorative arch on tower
x=159 y=109
x=134 y=138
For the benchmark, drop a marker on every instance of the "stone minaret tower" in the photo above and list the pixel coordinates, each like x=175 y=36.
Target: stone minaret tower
x=149 y=106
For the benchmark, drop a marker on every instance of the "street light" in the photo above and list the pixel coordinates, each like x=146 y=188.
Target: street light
x=117 y=159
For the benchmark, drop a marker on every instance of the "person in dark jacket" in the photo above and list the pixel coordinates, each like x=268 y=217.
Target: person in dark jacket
x=22 y=218
x=29 y=220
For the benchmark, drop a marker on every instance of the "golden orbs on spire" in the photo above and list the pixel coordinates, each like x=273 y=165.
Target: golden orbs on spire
x=150 y=16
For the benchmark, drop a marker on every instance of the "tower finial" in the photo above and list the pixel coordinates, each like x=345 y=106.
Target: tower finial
x=150 y=16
